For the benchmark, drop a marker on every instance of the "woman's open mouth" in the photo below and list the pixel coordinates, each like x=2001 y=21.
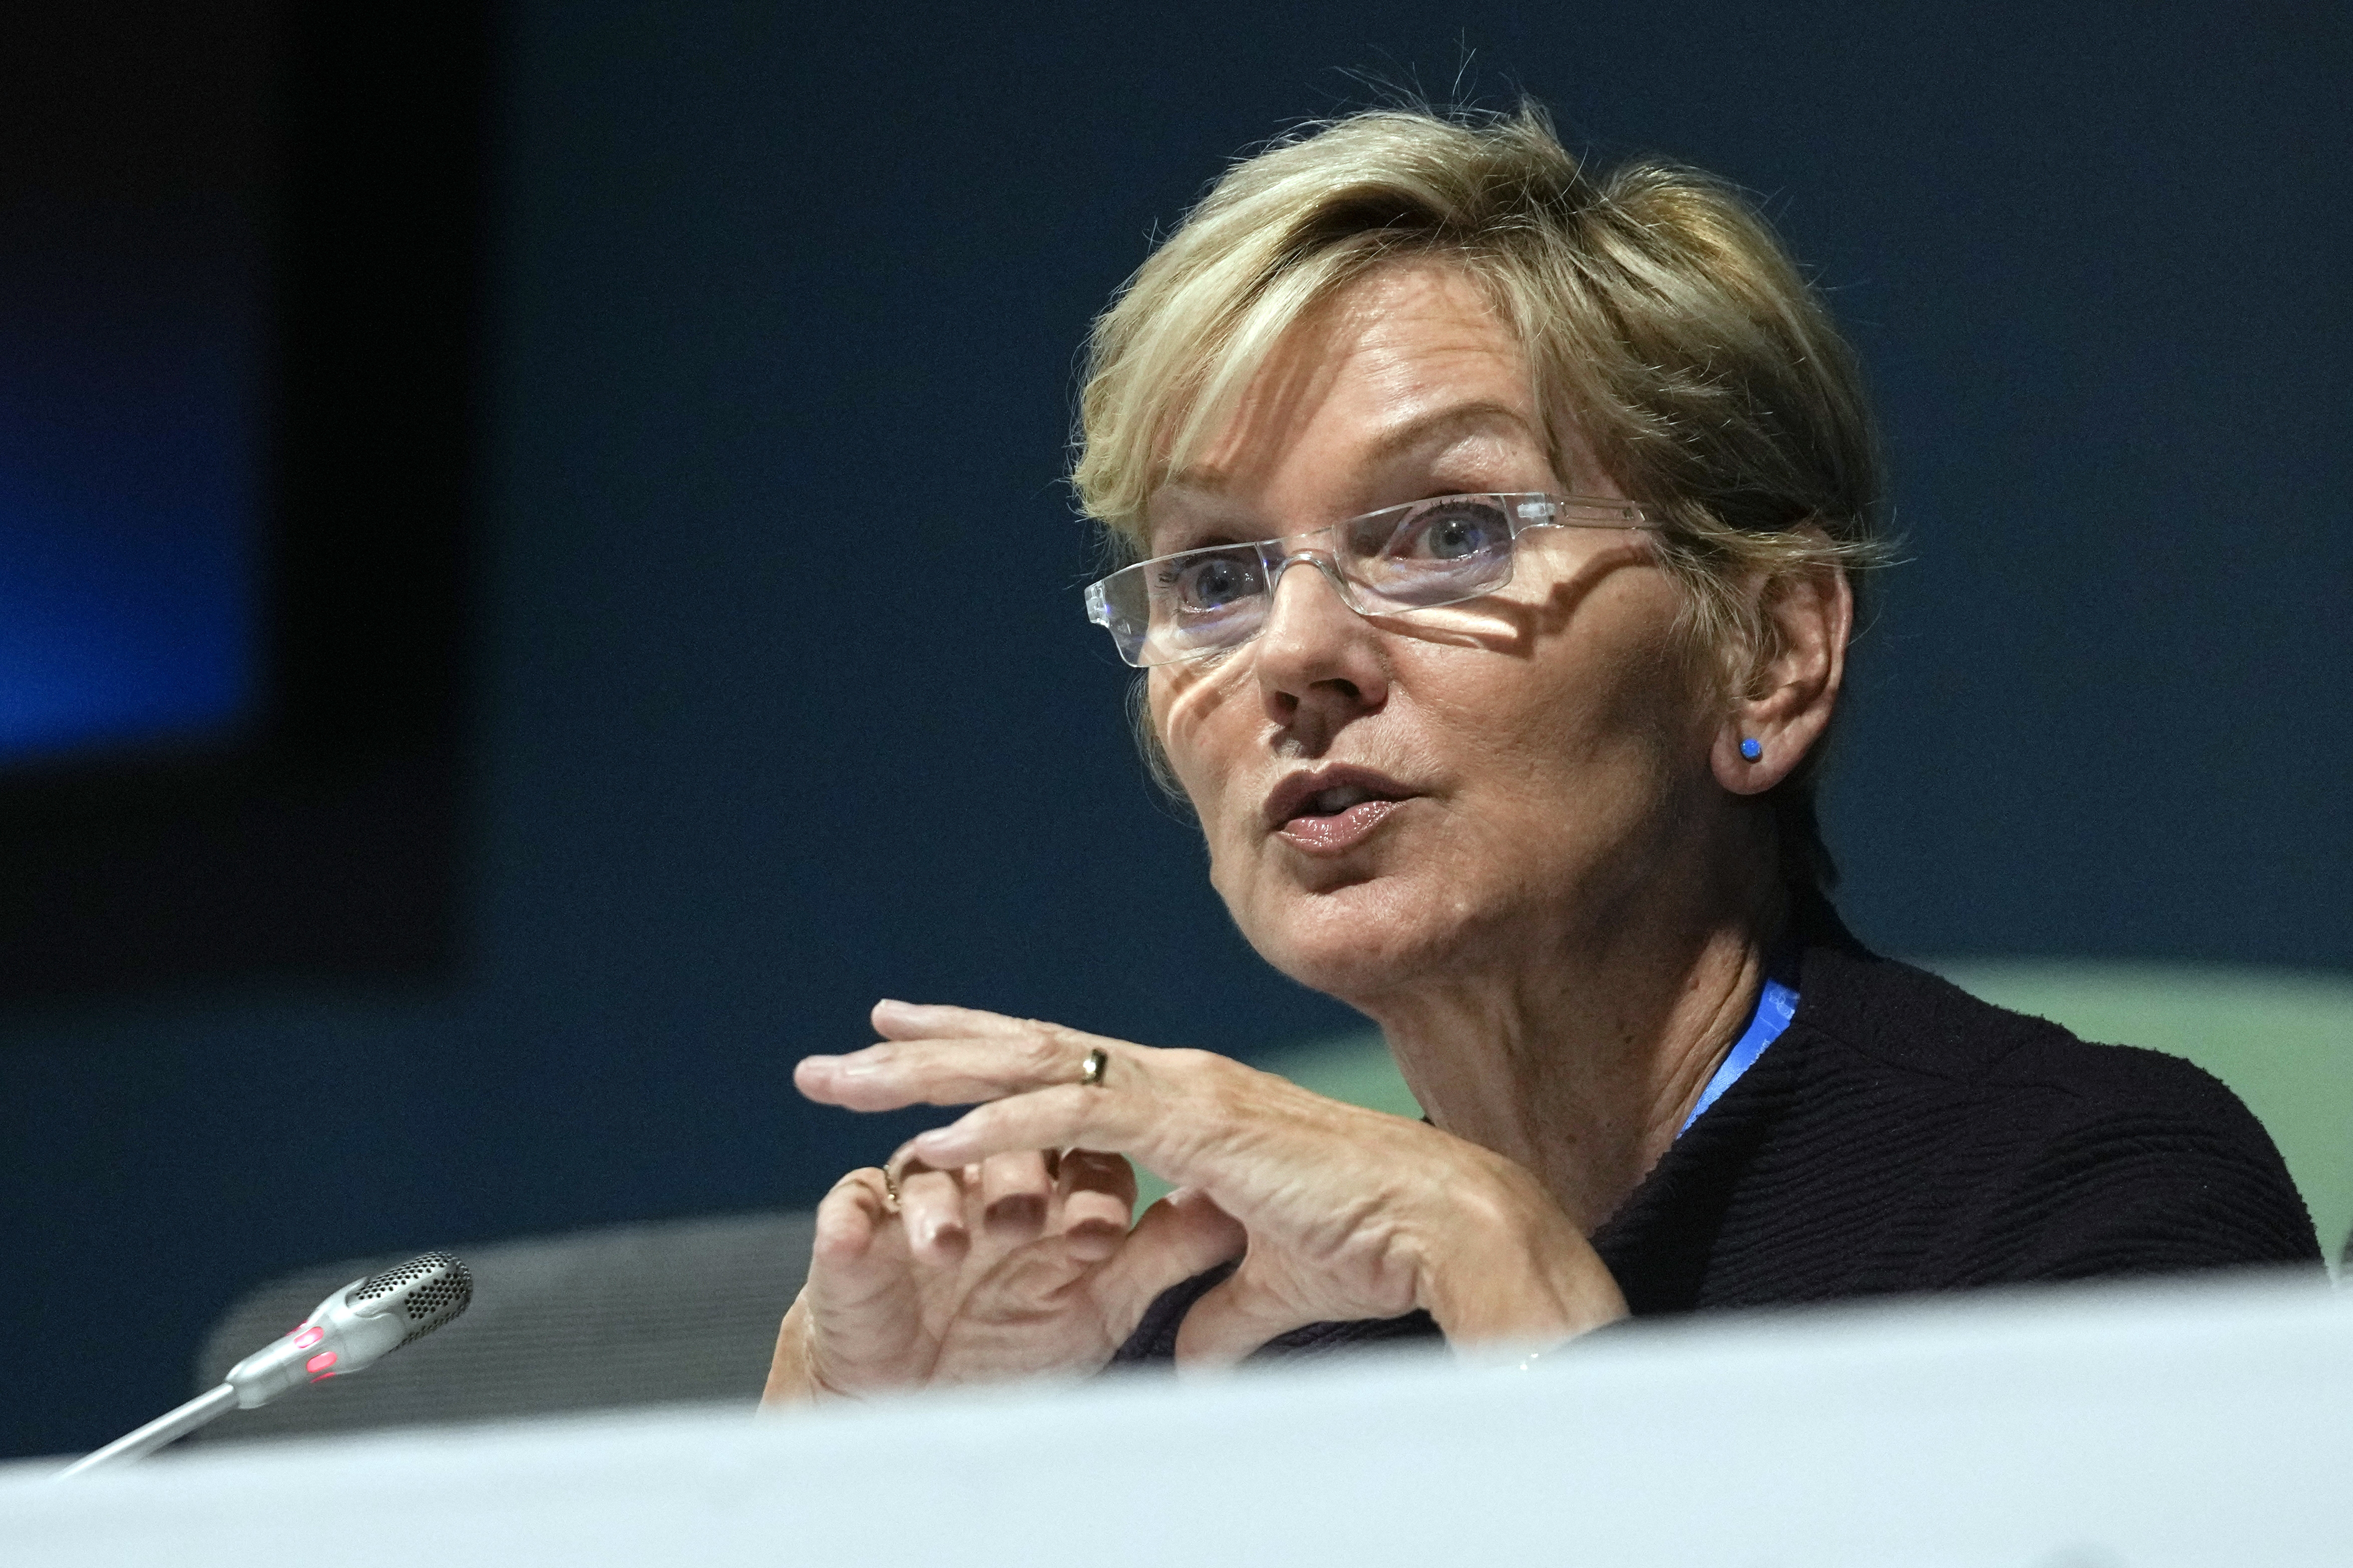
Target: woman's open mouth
x=1332 y=809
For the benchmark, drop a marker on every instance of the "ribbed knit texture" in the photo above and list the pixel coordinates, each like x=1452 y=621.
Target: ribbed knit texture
x=1902 y=1136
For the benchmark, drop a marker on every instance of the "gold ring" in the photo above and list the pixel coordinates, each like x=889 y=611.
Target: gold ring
x=1091 y=1075
x=891 y=1178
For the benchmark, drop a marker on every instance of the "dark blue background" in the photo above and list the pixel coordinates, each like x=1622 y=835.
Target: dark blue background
x=786 y=702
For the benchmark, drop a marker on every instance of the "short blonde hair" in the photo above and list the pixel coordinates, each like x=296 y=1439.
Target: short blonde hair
x=1657 y=308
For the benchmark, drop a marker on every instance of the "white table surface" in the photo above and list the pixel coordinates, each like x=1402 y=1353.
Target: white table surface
x=2112 y=1428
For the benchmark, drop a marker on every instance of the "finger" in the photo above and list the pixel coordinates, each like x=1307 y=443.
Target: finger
x=1232 y=1319
x=919 y=1020
x=847 y=1217
x=932 y=1209
x=1068 y=1115
x=789 y=1379
x=1014 y=1194
x=855 y=1251
x=1183 y=1235
x=1098 y=1193
x=947 y=1071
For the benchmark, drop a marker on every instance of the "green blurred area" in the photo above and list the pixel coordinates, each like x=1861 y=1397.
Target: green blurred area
x=2282 y=1040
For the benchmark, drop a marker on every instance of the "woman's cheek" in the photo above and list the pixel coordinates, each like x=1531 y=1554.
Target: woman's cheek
x=1237 y=861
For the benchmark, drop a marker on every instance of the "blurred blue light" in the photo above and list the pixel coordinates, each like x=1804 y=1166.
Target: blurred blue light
x=129 y=599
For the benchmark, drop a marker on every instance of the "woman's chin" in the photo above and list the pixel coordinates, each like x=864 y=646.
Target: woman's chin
x=1354 y=941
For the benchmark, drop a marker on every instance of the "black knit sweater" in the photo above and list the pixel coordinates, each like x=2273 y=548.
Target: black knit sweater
x=1902 y=1136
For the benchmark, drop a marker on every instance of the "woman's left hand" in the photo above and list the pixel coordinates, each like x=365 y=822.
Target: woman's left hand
x=1349 y=1212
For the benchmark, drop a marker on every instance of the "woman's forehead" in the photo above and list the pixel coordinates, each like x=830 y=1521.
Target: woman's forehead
x=1402 y=369
x=1400 y=347
x=1416 y=439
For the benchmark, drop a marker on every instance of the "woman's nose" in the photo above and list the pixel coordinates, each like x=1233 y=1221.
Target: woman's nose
x=1315 y=655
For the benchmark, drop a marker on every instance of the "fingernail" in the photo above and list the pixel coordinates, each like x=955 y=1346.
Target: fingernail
x=1019 y=1213
x=819 y=1061
x=936 y=1146
x=1092 y=1241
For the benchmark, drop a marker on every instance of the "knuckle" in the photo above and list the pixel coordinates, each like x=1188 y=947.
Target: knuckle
x=1014 y=1168
x=1227 y=1096
x=1193 y=1066
x=1044 y=1048
x=930 y=1177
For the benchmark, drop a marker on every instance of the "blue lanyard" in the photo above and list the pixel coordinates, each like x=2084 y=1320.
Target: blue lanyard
x=1776 y=1005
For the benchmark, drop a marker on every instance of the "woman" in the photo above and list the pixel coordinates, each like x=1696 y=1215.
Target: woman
x=1495 y=532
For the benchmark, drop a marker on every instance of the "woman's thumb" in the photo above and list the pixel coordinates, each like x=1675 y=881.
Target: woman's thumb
x=1232 y=1319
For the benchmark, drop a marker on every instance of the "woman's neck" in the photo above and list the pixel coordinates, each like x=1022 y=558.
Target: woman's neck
x=1581 y=1059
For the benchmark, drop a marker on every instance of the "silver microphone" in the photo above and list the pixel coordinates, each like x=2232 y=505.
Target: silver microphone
x=351 y=1330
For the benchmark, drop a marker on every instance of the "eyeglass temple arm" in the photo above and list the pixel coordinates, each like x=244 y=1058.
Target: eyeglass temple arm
x=1549 y=512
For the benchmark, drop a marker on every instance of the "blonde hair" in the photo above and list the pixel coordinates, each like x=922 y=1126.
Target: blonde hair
x=1657 y=308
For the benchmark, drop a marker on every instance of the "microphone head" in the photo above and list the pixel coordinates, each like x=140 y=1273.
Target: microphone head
x=357 y=1326
x=427 y=1291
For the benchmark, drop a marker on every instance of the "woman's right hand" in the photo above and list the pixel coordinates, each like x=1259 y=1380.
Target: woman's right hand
x=1013 y=1267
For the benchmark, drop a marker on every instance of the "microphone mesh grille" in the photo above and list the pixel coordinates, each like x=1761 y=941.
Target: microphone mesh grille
x=434 y=1288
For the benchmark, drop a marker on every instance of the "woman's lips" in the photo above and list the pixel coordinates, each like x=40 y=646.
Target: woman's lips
x=1341 y=830
x=1332 y=809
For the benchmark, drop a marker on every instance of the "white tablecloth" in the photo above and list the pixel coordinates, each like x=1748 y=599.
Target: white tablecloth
x=2114 y=1428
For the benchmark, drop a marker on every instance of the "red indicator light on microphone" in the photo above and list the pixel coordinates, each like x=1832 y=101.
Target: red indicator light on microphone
x=321 y=1362
x=305 y=1337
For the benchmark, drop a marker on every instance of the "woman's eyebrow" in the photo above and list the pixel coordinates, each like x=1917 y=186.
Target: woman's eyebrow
x=1412 y=436
x=1441 y=426
x=1179 y=534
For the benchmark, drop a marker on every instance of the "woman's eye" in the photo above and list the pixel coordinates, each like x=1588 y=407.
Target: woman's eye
x=1456 y=533
x=1214 y=584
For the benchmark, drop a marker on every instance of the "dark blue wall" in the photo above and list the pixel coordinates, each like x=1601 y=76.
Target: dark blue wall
x=786 y=702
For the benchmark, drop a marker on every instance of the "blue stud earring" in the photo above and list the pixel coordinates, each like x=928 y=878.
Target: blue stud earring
x=1751 y=748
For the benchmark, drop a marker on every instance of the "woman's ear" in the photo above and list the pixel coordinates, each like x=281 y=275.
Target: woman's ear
x=1793 y=689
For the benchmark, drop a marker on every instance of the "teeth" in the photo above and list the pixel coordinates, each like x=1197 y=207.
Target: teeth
x=1338 y=798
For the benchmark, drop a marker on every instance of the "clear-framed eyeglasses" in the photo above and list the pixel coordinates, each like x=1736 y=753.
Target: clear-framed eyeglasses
x=1423 y=555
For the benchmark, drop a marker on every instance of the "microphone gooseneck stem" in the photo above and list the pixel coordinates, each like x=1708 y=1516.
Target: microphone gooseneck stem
x=156 y=1433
